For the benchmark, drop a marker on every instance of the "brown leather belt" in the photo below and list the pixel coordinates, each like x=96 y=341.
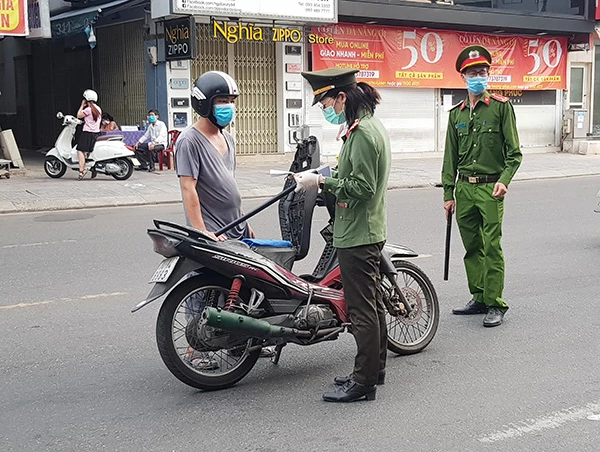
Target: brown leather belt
x=478 y=179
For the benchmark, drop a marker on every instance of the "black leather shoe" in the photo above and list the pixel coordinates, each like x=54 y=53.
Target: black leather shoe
x=494 y=317
x=151 y=170
x=343 y=380
x=472 y=307
x=350 y=392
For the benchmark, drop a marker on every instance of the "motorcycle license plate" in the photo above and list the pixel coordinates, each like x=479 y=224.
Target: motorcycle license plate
x=164 y=270
x=135 y=161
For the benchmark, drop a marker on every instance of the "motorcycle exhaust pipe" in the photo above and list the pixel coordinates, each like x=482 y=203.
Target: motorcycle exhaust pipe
x=112 y=168
x=242 y=324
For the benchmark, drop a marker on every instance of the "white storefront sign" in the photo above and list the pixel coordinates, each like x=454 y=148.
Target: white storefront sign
x=297 y=10
x=39 y=19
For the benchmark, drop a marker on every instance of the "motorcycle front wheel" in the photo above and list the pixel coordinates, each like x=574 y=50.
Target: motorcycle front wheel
x=195 y=364
x=54 y=167
x=410 y=334
x=125 y=169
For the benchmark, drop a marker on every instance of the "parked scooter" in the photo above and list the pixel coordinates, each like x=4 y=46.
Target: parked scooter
x=110 y=155
x=226 y=300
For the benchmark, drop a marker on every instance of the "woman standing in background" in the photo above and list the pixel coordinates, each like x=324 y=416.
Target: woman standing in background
x=92 y=118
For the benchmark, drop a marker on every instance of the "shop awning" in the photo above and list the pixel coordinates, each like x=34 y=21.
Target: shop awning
x=74 y=21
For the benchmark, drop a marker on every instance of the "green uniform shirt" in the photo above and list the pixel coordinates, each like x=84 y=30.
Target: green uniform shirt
x=360 y=185
x=483 y=141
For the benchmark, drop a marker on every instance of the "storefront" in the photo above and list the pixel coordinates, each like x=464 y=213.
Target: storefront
x=252 y=63
x=263 y=49
x=414 y=71
x=99 y=47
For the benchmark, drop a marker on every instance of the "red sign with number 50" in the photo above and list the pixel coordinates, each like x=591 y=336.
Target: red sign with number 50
x=424 y=58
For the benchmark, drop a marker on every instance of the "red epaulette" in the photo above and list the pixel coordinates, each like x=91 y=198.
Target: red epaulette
x=500 y=98
x=352 y=127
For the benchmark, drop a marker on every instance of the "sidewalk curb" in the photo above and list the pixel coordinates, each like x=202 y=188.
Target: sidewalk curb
x=166 y=199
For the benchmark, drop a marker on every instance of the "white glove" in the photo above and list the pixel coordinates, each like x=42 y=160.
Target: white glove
x=306 y=180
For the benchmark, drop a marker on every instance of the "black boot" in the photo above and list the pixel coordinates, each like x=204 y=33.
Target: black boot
x=472 y=307
x=494 y=317
x=343 y=380
x=350 y=392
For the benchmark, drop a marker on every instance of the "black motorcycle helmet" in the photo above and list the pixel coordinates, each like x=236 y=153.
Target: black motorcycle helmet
x=208 y=86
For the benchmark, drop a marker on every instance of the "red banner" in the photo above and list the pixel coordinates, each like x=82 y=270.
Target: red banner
x=13 y=17
x=424 y=58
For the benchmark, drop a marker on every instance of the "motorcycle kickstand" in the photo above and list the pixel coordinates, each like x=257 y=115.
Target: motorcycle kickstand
x=277 y=355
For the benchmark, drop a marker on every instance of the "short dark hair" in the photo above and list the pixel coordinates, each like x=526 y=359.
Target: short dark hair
x=153 y=111
x=360 y=97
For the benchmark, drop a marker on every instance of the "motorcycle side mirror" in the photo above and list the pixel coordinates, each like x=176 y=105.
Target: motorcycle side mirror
x=59 y=115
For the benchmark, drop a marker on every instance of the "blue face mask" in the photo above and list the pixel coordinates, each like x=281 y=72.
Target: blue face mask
x=224 y=114
x=477 y=85
x=333 y=117
x=152 y=119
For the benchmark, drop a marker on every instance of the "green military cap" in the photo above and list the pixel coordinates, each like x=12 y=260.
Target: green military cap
x=473 y=56
x=328 y=79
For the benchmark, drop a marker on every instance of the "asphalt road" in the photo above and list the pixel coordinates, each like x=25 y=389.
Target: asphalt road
x=79 y=372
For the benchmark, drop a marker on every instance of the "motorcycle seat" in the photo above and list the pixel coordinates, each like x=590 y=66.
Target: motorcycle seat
x=279 y=251
x=112 y=137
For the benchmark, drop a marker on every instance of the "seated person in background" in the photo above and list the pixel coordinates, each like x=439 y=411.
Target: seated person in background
x=157 y=134
x=108 y=123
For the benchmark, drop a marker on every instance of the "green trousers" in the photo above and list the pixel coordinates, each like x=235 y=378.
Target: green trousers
x=479 y=217
x=361 y=279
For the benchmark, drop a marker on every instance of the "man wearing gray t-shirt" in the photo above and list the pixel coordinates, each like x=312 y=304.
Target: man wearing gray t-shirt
x=205 y=160
x=205 y=164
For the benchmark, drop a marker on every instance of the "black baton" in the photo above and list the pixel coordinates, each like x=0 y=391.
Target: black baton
x=448 y=234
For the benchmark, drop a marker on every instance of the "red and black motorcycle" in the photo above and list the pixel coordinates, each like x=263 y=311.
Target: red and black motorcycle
x=225 y=301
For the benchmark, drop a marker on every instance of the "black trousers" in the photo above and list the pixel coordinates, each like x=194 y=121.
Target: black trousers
x=361 y=279
x=146 y=156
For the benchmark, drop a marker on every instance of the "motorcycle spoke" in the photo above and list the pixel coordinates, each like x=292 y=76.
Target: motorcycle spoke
x=181 y=324
x=213 y=362
x=408 y=333
x=176 y=339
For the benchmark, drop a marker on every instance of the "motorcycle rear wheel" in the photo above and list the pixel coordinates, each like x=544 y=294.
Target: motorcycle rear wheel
x=54 y=167
x=410 y=335
x=181 y=305
x=125 y=169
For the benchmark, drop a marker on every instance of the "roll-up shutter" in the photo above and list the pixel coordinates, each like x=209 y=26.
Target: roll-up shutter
x=407 y=114
x=120 y=75
x=535 y=112
x=252 y=65
x=536 y=124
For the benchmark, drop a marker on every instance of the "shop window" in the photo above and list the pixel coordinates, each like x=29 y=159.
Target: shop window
x=576 y=87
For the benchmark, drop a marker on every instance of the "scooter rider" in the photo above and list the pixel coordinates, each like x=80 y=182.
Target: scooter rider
x=92 y=117
x=360 y=187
